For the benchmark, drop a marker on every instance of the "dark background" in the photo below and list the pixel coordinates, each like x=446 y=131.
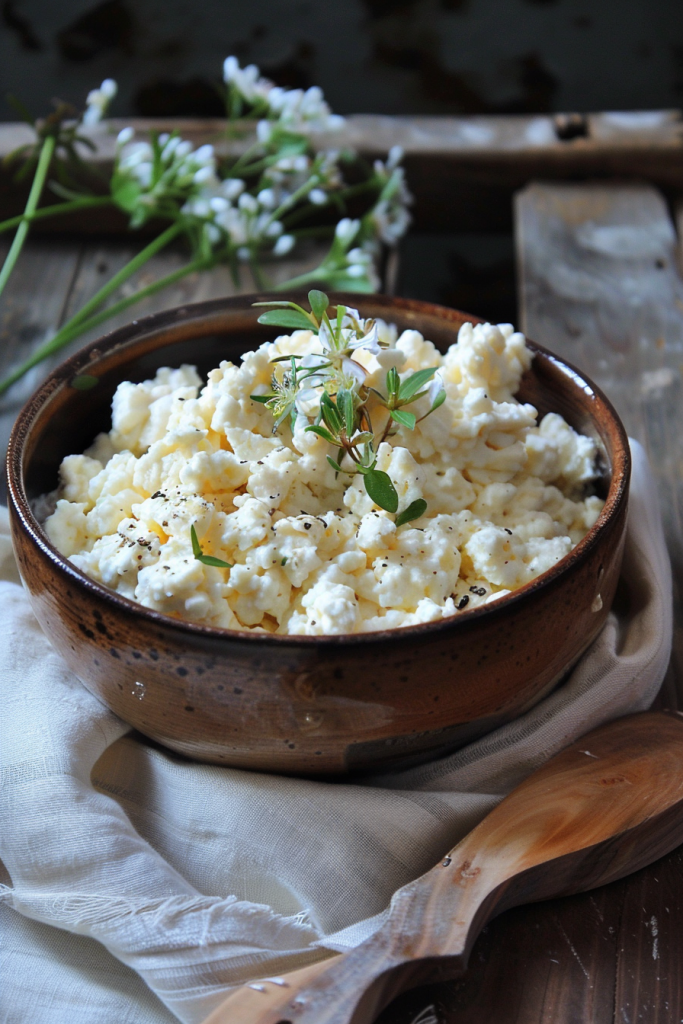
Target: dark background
x=385 y=56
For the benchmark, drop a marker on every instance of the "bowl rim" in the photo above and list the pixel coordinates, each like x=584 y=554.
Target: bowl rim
x=152 y=325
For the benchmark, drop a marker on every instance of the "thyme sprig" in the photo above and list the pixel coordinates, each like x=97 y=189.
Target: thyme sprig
x=329 y=387
x=218 y=563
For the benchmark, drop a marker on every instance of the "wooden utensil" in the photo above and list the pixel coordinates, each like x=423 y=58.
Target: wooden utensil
x=604 y=807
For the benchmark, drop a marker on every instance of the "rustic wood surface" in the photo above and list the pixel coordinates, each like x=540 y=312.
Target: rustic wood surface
x=613 y=955
x=600 y=286
x=600 y=809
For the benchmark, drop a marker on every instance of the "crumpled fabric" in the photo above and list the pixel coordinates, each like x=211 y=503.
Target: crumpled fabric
x=140 y=886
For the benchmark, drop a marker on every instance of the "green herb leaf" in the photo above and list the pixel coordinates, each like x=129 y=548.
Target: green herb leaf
x=393 y=381
x=218 y=563
x=319 y=303
x=321 y=432
x=380 y=488
x=406 y=419
x=263 y=399
x=284 y=561
x=201 y=557
x=416 y=509
x=285 y=359
x=330 y=413
x=335 y=465
x=84 y=381
x=345 y=405
x=412 y=384
x=286 y=318
x=439 y=400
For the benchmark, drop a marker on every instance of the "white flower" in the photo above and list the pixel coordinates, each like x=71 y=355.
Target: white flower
x=247 y=81
x=307 y=401
x=346 y=230
x=124 y=136
x=98 y=100
x=436 y=386
x=317 y=196
x=284 y=244
x=353 y=369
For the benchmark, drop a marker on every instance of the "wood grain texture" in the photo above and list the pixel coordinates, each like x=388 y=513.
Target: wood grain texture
x=607 y=805
x=599 y=285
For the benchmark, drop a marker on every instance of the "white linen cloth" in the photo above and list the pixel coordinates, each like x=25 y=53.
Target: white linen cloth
x=200 y=877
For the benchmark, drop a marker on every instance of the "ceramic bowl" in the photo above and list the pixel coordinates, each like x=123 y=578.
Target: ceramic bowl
x=299 y=704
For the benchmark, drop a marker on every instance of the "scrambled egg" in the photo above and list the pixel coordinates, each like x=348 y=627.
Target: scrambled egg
x=310 y=552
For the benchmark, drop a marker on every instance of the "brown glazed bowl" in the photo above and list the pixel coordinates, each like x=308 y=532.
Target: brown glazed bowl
x=298 y=704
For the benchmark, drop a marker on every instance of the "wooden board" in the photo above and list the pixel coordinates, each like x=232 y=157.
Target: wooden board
x=462 y=170
x=599 y=284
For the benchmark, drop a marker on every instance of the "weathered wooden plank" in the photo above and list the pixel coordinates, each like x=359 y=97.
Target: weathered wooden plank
x=599 y=285
x=32 y=305
x=611 y=956
x=462 y=170
x=649 y=983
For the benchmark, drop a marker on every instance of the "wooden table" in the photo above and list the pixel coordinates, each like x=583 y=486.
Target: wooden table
x=599 y=280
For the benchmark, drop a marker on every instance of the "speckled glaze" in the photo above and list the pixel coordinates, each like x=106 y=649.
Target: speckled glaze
x=306 y=705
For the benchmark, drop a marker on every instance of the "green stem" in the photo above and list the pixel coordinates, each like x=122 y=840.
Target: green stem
x=122 y=276
x=344 y=194
x=53 y=211
x=311 y=277
x=31 y=204
x=70 y=331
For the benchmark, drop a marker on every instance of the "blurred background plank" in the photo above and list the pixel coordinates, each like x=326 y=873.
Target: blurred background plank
x=599 y=284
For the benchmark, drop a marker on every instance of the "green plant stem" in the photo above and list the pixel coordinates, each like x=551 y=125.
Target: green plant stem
x=311 y=277
x=54 y=211
x=344 y=194
x=122 y=276
x=72 y=330
x=46 y=152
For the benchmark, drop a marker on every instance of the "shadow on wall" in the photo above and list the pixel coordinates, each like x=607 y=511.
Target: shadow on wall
x=393 y=56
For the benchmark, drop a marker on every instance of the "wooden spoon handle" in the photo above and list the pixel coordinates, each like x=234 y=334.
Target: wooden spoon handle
x=602 y=808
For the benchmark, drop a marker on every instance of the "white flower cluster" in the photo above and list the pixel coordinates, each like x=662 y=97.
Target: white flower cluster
x=162 y=178
x=390 y=215
x=297 y=110
x=230 y=212
x=98 y=100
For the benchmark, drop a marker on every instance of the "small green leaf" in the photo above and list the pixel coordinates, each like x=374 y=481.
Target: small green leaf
x=319 y=303
x=411 y=385
x=286 y=318
x=263 y=399
x=335 y=465
x=218 y=563
x=381 y=489
x=439 y=400
x=284 y=561
x=345 y=405
x=416 y=509
x=330 y=413
x=84 y=381
x=406 y=419
x=196 y=546
x=321 y=432
x=393 y=381
x=285 y=359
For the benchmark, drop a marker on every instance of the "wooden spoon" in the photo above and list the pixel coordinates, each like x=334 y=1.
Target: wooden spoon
x=604 y=807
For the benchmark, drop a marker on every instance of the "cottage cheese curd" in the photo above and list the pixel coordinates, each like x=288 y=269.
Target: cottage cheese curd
x=310 y=552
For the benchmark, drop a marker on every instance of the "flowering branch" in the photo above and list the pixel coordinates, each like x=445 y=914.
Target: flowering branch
x=243 y=212
x=329 y=387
